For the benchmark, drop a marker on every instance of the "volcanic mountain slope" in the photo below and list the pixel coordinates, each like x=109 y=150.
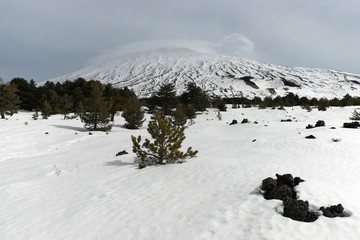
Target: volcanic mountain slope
x=222 y=75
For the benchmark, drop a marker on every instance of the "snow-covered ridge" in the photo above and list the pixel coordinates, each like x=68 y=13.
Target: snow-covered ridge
x=222 y=75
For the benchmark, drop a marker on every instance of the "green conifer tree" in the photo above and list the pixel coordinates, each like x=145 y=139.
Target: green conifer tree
x=323 y=104
x=355 y=116
x=179 y=116
x=165 y=98
x=67 y=105
x=80 y=109
x=196 y=96
x=96 y=117
x=35 y=116
x=190 y=112
x=9 y=100
x=219 y=103
x=167 y=142
x=133 y=114
x=46 y=110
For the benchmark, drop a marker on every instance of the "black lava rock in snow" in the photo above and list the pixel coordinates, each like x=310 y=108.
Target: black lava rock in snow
x=123 y=152
x=282 y=188
x=320 y=123
x=234 y=121
x=333 y=211
x=268 y=184
x=245 y=120
x=351 y=125
x=286 y=179
x=281 y=192
x=298 y=210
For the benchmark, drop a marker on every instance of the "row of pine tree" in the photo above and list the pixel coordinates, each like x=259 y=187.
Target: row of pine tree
x=97 y=104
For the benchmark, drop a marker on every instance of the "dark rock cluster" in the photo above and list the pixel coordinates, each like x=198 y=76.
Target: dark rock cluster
x=280 y=188
x=351 y=125
x=234 y=121
x=245 y=120
x=123 y=152
x=298 y=210
x=319 y=123
x=283 y=188
x=333 y=211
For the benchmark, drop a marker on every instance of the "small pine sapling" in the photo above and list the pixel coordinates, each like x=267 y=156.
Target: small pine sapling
x=46 y=110
x=35 y=116
x=355 y=116
x=167 y=142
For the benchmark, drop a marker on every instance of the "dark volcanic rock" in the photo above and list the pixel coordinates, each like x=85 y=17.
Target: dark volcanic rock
x=281 y=192
x=298 y=180
x=281 y=188
x=289 y=83
x=247 y=80
x=286 y=179
x=310 y=137
x=333 y=211
x=123 y=152
x=309 y=126
x=268 y=184
x=245 y=120
x=286 y=120
x=320 y=123
x=298 y=210
x=234 y=121
x=351 y=125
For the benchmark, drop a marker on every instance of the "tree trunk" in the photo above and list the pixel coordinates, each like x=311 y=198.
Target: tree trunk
x=2 y=115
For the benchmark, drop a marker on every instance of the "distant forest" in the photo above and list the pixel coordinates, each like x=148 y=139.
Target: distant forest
x=80 y=96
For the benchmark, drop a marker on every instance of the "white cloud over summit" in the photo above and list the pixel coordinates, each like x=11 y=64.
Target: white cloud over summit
x=235 y=44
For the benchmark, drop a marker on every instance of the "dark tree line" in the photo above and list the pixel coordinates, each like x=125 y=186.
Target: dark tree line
x=291 y=100
x=64 y=97
x=97 y=104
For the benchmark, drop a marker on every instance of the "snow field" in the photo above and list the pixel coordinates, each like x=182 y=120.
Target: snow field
x=63 y=185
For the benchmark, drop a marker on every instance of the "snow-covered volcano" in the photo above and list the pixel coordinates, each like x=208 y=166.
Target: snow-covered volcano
x=227 y=76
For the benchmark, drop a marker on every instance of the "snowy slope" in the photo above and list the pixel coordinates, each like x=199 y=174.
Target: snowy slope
x=222 y=75
x=65 y=186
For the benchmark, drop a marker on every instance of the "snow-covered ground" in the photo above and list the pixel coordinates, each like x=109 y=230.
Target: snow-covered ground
x=68 y=184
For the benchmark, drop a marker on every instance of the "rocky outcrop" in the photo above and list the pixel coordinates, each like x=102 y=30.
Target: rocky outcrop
x=283 y=188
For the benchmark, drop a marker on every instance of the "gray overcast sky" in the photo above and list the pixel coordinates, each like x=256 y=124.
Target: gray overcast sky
x=42 y=39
